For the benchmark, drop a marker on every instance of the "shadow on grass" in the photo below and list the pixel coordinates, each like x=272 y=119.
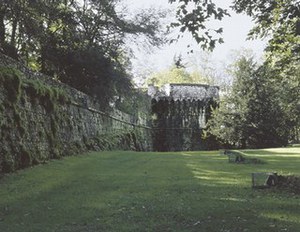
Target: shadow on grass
x=124 y=191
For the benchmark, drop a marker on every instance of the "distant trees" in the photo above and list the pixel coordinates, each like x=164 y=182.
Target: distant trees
x=178 y=75
x=172 y=75
x=178 y=72
x=79 y=42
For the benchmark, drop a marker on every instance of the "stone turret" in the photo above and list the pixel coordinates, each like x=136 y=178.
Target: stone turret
x=180 y=113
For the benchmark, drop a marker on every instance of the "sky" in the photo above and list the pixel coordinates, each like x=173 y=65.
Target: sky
x=235 y=33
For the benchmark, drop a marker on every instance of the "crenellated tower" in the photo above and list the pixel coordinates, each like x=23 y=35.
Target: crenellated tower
x=179 y=115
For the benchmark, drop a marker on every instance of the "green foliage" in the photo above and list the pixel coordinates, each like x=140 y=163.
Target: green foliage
x=184 y=191
x=91 y=72
x=10 y=80
x=252 y=116
x=49 y=96
x=177 y=75
x=136 y=103
x=278 y=20
x=173 y=75
x=118 y=140
x=192 y=16
x=81 y=43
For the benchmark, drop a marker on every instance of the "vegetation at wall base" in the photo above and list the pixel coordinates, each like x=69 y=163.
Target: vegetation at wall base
x=130 y=191
x=121 y=140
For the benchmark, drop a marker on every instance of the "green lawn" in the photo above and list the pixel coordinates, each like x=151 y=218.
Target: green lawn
x=128 y=191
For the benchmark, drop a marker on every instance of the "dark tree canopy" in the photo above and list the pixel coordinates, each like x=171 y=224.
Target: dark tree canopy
x=81 y=43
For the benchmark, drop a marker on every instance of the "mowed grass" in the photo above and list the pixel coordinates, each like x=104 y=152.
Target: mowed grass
x=128 y=191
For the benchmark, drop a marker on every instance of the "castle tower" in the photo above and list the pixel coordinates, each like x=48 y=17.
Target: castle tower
x=179 y=115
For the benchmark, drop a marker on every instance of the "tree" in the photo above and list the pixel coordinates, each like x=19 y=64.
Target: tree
x=251 y=116
x=288 y=81
x=280 y=22
x=278 y=19
x=197 y=69
x=192 y=16
x=178 y=75
x=172 y=75
x=79 y=42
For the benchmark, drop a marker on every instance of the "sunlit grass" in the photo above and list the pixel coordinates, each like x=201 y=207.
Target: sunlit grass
x=128 y=191
x=290 y=151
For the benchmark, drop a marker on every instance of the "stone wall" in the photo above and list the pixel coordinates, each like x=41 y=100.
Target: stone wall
x=41 y=119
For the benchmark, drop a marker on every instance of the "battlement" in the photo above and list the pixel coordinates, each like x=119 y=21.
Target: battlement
x=184 y=92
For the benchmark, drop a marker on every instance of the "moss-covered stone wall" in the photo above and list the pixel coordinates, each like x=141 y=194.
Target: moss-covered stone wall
x=41 y=119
